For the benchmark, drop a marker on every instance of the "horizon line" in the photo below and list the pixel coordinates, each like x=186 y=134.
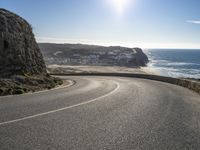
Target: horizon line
x=107 y=44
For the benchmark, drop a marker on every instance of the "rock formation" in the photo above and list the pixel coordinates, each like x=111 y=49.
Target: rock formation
x=19 y=52
x=22 y=68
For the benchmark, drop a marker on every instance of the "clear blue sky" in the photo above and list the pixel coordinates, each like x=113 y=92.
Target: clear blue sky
x=144 y=23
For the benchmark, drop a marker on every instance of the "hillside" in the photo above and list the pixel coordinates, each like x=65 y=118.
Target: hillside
x=78 y=54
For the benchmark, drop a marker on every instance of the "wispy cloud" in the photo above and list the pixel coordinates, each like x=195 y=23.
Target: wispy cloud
x=193 y=21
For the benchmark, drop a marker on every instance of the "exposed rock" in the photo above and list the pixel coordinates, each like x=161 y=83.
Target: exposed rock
x=22 y=68
x=19 y=52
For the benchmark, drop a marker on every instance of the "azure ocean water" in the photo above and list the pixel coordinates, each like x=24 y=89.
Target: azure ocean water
x=175 y=62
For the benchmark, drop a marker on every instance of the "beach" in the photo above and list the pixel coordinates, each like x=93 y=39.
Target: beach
x=97 y=69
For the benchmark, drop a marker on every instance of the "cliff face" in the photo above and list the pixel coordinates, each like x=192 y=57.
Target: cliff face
x=19 y=52
x=141 y=57
x=22 y=68
x=77 y=54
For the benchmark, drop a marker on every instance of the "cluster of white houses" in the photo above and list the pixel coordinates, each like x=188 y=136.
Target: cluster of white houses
x=111 y=57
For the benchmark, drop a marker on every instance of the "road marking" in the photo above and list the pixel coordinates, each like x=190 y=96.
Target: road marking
x=64 y=108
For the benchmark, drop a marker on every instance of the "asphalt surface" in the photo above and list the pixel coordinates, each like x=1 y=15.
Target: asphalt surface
x=100 y=113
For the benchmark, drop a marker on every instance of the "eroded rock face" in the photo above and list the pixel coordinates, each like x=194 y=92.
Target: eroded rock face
x=19 y=52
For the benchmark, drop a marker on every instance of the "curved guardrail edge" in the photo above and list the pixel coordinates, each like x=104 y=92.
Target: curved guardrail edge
x=192 y=85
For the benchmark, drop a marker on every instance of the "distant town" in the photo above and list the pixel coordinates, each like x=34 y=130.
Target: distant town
x=67 y=54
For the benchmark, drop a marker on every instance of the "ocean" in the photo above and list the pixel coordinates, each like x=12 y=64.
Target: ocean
x=174 y=62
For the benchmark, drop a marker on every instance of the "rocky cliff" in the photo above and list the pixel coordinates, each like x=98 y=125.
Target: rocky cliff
x=22 y=68
x=78 y=54
x=19 y=52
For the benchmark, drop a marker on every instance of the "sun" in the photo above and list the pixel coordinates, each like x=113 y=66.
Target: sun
x=119 y=5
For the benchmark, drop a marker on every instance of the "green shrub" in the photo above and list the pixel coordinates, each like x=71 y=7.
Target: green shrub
x=25 y=90
x=8 y=91
x=17 y=91
x=1 y=91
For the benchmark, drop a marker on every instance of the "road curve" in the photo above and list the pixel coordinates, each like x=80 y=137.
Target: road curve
x=102 y=113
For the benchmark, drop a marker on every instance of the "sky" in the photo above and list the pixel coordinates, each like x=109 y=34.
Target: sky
x=141 y=23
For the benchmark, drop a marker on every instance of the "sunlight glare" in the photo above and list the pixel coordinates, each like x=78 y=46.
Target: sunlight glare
x=119 y=5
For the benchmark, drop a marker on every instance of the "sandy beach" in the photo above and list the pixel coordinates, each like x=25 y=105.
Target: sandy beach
x=96 y=69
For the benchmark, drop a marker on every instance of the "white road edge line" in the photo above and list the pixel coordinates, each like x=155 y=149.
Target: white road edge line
x=61 y=109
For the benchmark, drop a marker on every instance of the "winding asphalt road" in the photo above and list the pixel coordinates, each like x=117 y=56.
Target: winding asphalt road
x=100 y=113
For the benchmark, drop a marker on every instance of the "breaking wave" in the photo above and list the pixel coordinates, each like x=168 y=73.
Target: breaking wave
x=175 y=64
